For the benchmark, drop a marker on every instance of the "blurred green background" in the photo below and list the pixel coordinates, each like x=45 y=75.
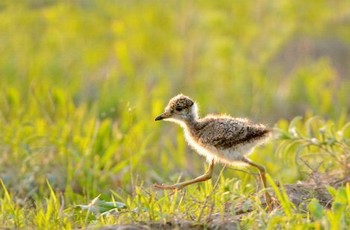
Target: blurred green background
x=81 y=83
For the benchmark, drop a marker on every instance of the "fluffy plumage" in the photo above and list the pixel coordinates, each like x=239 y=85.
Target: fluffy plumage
x=217 y=137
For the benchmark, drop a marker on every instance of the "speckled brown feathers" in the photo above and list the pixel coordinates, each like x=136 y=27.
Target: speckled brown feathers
x=180 y=102
x=225 y=132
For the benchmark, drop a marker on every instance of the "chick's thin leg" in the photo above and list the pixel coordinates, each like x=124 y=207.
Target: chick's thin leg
x=206 y=176
x=262 y=172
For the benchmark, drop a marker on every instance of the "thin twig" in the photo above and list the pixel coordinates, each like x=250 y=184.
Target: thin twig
x=244 y=171
x=211 y=193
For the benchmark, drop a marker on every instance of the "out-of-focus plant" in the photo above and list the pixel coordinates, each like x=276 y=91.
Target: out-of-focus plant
x=317 y=144
x=335 y=218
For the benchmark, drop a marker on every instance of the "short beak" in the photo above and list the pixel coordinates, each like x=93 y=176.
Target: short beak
x=162 y=116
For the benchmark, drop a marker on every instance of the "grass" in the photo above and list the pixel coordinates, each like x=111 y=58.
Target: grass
x=82 y=81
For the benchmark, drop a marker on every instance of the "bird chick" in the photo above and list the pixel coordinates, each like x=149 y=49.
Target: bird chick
x=219 y=138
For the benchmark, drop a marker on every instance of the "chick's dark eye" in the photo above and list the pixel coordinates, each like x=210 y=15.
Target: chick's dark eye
x=178 y=109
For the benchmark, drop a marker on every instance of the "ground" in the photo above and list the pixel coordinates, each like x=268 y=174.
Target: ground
x=299 y=194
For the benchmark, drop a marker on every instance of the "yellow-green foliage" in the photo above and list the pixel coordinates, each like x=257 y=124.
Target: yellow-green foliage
x=81 y=83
